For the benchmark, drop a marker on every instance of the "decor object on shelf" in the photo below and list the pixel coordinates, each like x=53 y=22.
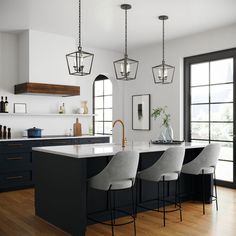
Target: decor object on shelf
x=167 y=131
x=84 y=107
x=80 y=62
x=126 y=68
x=20 y=108
x=163 y=73
x=141 y=112
x=77 y=128
x=34 y=132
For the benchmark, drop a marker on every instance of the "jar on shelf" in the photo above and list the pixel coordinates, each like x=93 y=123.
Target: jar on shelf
x=84 y=106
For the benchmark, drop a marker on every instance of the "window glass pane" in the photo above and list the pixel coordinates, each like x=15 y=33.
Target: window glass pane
x=224 y=171
x=226 y=151
x=199 y=130
x=222 y=112
x=98 y=127
x=200 y=74
x=107 y=127
x=98 y=87
x=108 y=102
x=98 y=102
x=108 y=114
x=221 y=71
x=107 y=87
x=200 y=94
x=99 y=114
x=200 y=112
x=222 y=131
x=222 y=93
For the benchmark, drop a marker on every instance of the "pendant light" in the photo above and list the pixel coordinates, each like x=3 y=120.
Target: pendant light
x=126 y=68
x=80 y=62
x=163 y=74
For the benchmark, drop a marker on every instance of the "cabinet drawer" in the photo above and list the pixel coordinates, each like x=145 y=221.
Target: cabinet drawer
x=13 y=160
x=14 y=146
x=15 y=177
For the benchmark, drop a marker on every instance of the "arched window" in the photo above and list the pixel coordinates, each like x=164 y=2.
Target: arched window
x=102 y=105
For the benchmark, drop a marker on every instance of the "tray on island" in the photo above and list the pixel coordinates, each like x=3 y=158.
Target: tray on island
x=166 y=142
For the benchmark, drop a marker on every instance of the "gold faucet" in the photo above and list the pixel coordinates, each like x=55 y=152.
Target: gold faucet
x=123 y=131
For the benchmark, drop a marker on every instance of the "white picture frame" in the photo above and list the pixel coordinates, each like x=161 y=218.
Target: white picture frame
x=20 y=108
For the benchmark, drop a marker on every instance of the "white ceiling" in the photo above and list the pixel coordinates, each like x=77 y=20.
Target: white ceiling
x=103 y=20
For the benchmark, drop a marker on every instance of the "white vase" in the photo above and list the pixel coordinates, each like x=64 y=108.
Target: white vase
x=169 y=134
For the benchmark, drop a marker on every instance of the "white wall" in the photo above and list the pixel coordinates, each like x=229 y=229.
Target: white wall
x=170 y=95
x=44 y=61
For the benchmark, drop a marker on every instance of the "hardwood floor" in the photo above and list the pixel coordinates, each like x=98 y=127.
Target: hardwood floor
x=17 y=219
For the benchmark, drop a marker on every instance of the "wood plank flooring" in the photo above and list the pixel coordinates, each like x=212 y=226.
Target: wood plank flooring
x=17 y=219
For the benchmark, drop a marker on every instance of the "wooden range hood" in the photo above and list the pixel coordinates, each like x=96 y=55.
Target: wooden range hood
x=47 y=89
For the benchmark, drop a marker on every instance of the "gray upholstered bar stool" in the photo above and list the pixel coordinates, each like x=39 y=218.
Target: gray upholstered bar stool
x=119 y=174
x=205 y=164
x=166 y=168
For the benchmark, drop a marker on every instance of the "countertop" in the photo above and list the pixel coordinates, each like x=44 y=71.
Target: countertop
x=110 y=149
x=51 y=137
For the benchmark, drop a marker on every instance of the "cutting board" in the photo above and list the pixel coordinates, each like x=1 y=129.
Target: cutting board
x=77 y=128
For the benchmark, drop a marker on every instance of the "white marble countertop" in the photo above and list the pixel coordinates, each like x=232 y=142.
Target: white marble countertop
x=51 y=137
x=109 y=149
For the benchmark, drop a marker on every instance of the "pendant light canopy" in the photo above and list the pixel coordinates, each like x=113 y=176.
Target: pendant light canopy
x=163 y=73
x=126 y=68
x=80 y=62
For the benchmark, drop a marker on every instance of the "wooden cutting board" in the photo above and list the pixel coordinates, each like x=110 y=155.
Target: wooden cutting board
x=77 y=128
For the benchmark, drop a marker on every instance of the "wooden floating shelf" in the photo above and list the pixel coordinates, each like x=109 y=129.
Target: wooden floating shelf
x=47 y=114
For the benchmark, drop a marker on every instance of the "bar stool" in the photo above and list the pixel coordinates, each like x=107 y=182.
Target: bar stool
x=167 y=168
x=119 y=174
x=205 y=164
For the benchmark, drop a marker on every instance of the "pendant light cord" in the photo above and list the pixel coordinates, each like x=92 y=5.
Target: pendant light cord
x=79 y=23
x=163 y=42
x=126 y=26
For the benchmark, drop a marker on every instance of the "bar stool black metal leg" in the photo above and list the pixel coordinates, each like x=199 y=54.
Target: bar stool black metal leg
x=158 y=196
x=176 y=189
x=214 y=176
x=203 y=192
x=179 y=198
x=164 y=207
x=133 y=209
x=136 y=197
x=111 y=212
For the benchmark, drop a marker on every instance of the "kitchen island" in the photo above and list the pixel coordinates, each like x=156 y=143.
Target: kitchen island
x=60 y=176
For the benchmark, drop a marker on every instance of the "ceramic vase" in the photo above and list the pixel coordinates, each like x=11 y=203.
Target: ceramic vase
x=84 y=106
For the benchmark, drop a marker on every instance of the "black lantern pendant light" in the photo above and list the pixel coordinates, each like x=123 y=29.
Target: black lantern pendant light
x=80 y=62
x=126 y=68
x=163 y=74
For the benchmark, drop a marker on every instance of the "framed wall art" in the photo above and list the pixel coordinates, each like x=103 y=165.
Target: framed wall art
x=20 y=108
x=141 y=112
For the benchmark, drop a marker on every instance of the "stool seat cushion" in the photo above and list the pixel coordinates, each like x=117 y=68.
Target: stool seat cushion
x=206 y=161
x=168 y=165
x=120 y=172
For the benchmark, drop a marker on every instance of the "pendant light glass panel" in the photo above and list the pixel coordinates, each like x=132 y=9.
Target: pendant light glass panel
x=80 y=62
x=163 y=74
x=126 y=69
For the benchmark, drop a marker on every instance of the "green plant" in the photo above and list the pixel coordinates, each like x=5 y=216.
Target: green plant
x=161 y=112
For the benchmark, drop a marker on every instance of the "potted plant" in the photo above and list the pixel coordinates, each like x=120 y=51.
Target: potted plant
x=167 y=133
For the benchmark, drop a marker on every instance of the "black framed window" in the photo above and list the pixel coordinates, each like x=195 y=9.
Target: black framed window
x=102 y=105
x=209 y=105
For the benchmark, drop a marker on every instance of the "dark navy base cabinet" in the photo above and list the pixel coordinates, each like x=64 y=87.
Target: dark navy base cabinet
x=16 y=159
